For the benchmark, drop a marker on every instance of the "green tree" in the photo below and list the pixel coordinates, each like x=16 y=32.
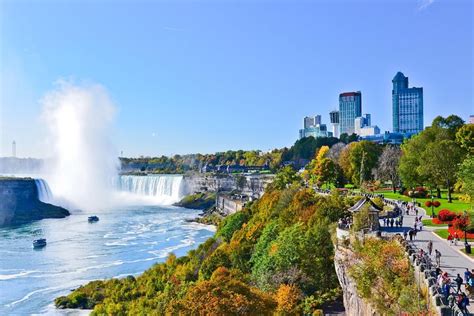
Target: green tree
x=465 y=138
x=363 y=158
x=466 y=176
x=284 y=178
x=441 y=163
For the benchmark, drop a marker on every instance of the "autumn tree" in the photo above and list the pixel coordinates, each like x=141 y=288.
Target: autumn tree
x=387 y=168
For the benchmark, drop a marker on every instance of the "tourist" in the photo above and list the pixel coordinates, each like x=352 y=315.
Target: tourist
x=430 y=247
x=384 y=222
x=416 y=211
x=414 y=233
x=456 y=238
x=446 y=289
x=463 y=302
x=405 y=234
x=421 y=225
x=391 y=222
x=410 y=233
x=459 y=282
x=450 y=239
x=467 y=275
x=438 y=257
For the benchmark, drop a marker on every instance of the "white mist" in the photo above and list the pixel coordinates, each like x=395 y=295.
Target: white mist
x=79 y=119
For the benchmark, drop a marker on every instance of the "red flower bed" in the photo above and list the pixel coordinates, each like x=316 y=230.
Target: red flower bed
x=446 y=215
x=436 y=221
x=451 y=230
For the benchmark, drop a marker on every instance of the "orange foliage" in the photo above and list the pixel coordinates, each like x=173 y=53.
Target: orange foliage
x=225 y=294
x=288 y=298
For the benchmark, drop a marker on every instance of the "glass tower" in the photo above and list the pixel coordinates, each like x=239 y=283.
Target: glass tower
x=350 y=107
x=407 y=106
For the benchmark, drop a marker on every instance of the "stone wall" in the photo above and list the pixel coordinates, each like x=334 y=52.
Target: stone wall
x=19 y=203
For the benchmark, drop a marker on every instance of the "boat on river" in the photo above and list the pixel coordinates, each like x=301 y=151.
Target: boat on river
x=39 y=243
x=93 y=219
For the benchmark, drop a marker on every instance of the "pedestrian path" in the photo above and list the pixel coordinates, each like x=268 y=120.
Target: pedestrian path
x=452 y=261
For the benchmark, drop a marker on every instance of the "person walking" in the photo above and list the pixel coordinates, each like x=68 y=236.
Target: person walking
x=391 y=222
x=463 y=303
x=410 y=233
x=384 y=222
x=467 y=275
x=430 y=247
x=438 y=258
x=405 y=234
x=459 y=282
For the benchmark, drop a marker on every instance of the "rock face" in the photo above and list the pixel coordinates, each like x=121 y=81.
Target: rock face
x=251 y=185
x=353 y=303
x=19 y=203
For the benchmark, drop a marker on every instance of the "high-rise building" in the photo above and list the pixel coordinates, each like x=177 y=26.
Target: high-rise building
x=407 y=106
x=334 y=119
x=311 y=121
x=14 y=149
x=312 y=126
x=350 y=107
x=471 y=119
x=308 y=121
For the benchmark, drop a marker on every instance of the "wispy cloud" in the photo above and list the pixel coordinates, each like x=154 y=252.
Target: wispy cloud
x=424 y=4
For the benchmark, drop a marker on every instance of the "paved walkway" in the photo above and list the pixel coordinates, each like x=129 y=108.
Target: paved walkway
x=452 y=261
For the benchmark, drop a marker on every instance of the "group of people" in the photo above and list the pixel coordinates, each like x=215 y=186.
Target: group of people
x=454 y=294
x=453 y=239
x=390 y=222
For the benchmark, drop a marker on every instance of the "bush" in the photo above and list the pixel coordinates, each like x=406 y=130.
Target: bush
x=428 y=204
x=446 y=215
x=436 y=203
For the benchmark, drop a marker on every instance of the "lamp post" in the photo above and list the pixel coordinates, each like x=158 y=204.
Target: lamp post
x=432 y=207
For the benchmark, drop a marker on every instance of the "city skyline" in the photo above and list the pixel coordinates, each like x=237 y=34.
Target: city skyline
x=208 y=77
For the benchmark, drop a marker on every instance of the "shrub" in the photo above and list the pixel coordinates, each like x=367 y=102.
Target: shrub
x=436 y=203
x=461 y=223
x=418 y=192
x=428 y=204
x=446 y=215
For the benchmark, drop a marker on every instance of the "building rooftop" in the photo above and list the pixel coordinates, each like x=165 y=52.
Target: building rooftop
x=358 y=206
x=399 y=76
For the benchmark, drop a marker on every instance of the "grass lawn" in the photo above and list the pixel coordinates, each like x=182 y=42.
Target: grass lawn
x=427 y=222
x=456 y=206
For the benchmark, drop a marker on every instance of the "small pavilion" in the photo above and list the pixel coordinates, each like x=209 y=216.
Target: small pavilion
x=374 y=211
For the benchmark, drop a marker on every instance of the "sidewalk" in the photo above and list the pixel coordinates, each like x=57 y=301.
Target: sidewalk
x=451 y=260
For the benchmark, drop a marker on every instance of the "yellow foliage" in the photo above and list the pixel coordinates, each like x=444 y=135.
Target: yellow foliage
x=288 y=298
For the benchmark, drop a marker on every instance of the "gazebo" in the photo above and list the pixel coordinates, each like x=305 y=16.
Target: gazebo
x=374 y=211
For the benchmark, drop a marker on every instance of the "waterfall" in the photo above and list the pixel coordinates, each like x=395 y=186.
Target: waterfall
x=165 y=189
x=44 y=192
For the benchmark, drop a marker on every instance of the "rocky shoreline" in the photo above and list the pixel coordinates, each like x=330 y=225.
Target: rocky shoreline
x=19 y=203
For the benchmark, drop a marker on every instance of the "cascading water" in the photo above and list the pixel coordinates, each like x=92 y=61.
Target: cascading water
x=164 y=189
x=44 y=192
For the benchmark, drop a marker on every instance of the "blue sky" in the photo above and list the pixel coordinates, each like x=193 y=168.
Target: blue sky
x=206 y=76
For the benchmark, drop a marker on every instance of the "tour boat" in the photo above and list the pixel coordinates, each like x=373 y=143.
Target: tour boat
x=39 y=243
x=92 y=219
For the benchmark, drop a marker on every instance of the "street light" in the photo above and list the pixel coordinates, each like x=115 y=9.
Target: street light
x=432 y=207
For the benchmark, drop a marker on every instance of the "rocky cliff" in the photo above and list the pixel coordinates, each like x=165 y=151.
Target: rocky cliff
x=252 y=185
x=353 y=303
x=19 y=203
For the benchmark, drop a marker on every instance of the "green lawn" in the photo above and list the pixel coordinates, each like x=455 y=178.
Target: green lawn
x=455 y=206
x=427 y=222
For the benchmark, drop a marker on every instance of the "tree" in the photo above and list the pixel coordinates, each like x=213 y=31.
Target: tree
x=284 y=178
x=324 y=170
x=363 y=158
x=451 y=123
x=465 y=138
x=441 y=163
x=335 y=151
x=466 y=176
x=387 y=168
